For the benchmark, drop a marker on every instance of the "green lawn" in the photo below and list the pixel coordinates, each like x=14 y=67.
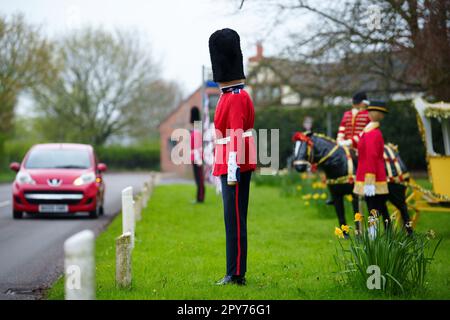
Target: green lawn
x=180 y=251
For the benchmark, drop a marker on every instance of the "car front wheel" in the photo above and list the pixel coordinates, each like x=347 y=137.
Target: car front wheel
x=17 y=214
x=93 y=214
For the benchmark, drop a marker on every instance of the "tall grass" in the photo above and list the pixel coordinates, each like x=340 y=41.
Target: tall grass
x=403 y=260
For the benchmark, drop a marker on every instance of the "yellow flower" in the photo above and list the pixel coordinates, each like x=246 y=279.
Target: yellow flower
x=323 y=196
x=349 y=198
x=306 y=203
x=431 y=234
x=338 y=232
x=374 y=213
x=299 y=188
x=316 y=196
x=303 y=176
x=359 y=217
x=345 y=228
x=307 y=196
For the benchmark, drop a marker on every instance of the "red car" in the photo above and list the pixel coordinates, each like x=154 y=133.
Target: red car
x=59 y=178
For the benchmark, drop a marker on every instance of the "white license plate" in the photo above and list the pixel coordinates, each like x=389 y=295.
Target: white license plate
x=53 y=208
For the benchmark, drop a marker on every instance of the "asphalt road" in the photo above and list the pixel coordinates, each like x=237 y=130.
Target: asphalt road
x=31 y=250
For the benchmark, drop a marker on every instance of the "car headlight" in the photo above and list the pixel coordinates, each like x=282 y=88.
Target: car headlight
x=85 y=179
x=24 y=178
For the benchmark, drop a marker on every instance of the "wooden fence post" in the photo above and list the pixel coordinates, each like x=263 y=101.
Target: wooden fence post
x=123 y=260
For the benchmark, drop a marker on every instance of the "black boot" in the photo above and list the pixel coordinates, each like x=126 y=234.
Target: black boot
x=239 y=280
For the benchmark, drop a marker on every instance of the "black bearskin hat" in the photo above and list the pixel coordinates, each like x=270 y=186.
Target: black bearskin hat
x=360 y=97
x=195 y=114
x=226 y=56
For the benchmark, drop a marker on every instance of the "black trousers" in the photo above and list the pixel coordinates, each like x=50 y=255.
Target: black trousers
x=378 y=202
x=235 y=205
x=199 y=181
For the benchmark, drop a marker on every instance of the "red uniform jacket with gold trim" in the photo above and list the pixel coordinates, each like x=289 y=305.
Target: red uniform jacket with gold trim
x=352 y=125
x=234 y=115
x=371 y=168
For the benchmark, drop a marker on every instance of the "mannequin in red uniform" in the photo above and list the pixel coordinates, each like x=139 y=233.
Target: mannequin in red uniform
x=354 y=121
x=235 y=157
x=371 y=179
x=197 y=155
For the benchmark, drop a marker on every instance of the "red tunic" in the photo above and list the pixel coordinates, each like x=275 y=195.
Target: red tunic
x=371 y=168
x=352 y=125
x=234 y=115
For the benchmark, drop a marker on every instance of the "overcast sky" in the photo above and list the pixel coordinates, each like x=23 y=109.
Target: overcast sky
x=178 y=30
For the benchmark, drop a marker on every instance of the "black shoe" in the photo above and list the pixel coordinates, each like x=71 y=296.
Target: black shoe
x=239 y=280
x=330 y=202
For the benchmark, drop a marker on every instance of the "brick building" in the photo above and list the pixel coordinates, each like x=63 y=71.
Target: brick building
x=179 y=118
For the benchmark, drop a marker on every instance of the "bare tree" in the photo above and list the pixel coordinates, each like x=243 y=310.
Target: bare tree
x=25 y=61
x=406 y=42
x=100 y=90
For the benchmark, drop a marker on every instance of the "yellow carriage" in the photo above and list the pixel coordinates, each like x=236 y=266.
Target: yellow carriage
x=438 y=200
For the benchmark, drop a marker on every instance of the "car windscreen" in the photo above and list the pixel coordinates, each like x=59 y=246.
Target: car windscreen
x=58 y=159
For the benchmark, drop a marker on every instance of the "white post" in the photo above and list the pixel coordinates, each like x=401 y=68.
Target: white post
x=123 y=260
x=138 y=207
x=144 y=194
x=79 y=266
x=128 y=222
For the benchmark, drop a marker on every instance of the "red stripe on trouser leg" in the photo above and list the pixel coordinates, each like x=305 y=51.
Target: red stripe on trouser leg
x=238 y=222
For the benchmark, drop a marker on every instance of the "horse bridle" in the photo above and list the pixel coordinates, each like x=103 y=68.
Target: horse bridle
x=298 y=136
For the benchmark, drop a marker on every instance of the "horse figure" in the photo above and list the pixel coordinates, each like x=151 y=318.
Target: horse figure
x=340 y=163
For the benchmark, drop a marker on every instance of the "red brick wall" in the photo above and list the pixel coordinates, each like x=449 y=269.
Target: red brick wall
x=179 y=119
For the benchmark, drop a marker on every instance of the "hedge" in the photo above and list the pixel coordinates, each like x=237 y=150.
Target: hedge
x=399 y=127
x=116 y=157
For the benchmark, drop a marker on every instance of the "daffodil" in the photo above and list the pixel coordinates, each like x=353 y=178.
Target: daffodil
x=349 y=198
x=316 y=196
x=359 y=217
x=345 y=228
x=338 y=232
x=299 y=188
x=306 y=203
x=431 y=234
x=323 y=196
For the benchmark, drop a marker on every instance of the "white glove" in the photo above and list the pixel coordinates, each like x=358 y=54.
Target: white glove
x=233 y=169
x=369 y=190
x=345 y=143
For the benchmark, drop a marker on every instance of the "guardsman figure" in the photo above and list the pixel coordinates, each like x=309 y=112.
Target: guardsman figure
x=197 y=155
x=354 y=121
x=235 y=155
x=371 y=179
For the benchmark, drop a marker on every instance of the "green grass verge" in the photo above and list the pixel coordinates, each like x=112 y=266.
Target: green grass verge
x=180 y=251
x=7 y=176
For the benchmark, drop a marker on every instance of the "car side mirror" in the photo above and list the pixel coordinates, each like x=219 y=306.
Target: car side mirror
x=102 y=167
x=15 y=166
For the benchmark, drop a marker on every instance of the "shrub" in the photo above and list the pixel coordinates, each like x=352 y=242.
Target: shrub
x=403 y=260
x=117 y=157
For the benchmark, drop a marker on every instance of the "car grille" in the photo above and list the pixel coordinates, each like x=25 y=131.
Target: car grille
x=52 y=197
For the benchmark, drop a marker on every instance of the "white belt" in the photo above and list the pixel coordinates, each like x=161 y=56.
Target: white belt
x=225 y=140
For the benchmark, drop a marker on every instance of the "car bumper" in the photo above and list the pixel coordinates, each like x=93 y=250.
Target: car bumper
x=28 y=198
